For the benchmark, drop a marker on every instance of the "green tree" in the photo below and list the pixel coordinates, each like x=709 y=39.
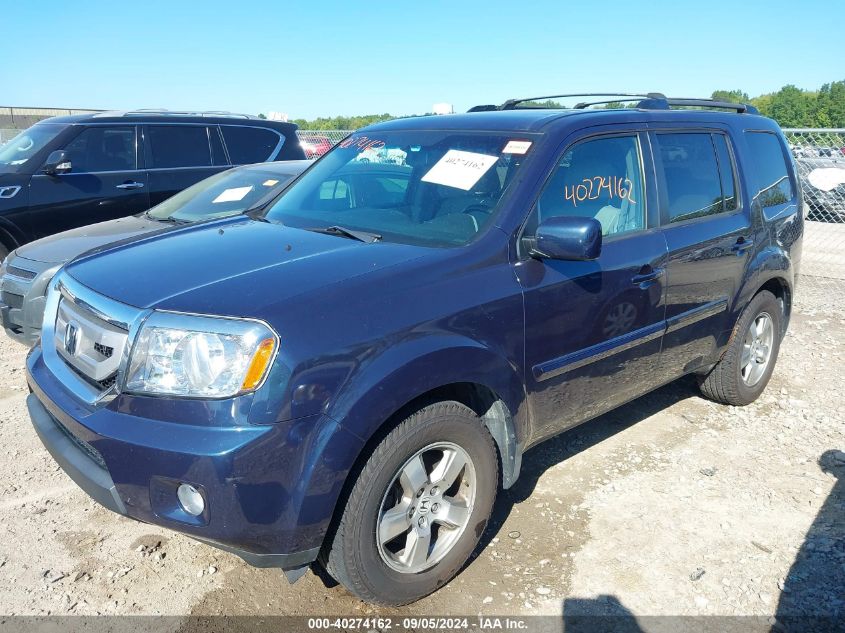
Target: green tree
x=733 y=96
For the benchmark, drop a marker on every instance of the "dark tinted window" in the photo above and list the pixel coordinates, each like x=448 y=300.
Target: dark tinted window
x=693 y=185
x=600 y=179
x=727 y=171
x=178 y=146
x=102 y=149
x=249 y=144
x=773 y=181
x=217 y=151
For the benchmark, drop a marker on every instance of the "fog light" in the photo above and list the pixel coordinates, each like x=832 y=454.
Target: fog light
x=190 y=499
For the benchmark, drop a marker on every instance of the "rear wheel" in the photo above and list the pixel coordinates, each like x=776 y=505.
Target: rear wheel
x=418 y=507
x=746 y=367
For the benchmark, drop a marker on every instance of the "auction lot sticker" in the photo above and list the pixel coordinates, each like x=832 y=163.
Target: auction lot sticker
x=460 y=169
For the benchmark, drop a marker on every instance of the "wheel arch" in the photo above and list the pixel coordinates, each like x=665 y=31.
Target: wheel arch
x=775 y=272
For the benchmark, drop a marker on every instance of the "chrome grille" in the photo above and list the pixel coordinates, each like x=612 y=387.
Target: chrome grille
x=85 y=338
x=103 y=350
x=86 y=342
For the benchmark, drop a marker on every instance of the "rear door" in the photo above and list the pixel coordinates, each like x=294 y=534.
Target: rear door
x=710 y=238
x=105 y=182
x=594 y=328
x=179 y=155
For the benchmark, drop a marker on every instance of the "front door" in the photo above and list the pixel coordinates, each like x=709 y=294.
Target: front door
x=710 y=241
x=594 y=328
x=104 y=182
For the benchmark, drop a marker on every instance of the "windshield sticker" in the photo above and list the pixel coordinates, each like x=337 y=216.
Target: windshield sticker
x=460 y=169
x=270 y=183
x=614 y=187
x=516 y=147
x=232 y=195
x=362 y=143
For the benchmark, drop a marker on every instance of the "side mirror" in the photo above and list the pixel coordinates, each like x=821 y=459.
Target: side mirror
x=58 y=162
x=567 y=238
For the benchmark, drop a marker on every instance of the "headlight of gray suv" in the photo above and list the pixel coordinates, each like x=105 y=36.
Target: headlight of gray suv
x=199 y=356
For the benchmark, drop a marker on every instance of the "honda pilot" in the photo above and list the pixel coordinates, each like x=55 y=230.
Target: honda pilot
x=348 y=377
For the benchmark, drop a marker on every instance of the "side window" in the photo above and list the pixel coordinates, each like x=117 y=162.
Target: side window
x=727 y=171
x=178 y=146
x=249 y=144
x=775 y=186
x=103 y=149
x=693 y=183
x=601 y=179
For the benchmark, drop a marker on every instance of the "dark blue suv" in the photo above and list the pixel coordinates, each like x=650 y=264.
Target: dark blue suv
x=350 y=375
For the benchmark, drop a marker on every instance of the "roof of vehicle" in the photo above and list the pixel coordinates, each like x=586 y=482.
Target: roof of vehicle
x=538 y=120
x=171 y=116
x=534 y=114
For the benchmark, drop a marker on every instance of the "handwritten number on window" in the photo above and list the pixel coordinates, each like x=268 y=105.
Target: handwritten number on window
x=614 y=187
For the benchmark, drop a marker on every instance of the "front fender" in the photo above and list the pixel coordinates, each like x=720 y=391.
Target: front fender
x=406 y=371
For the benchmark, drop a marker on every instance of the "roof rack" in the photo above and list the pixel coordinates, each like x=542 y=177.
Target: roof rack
x=198 y=113
x=511 y=104
x=647 y=101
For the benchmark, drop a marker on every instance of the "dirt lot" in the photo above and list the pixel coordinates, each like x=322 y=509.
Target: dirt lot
x=670 y=505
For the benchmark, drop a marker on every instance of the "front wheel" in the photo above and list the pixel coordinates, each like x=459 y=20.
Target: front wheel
x=418 y=507
x=744 y=371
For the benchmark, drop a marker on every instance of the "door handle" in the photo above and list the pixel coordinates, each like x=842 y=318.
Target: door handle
x=742 y=245
x=130 y=185
x=647 y=276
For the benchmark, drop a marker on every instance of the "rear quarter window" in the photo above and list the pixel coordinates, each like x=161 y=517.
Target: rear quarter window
x=774 y=186
x=249 y=144
x=172 y=146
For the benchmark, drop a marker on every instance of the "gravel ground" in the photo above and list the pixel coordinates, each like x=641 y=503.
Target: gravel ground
x=669 y=505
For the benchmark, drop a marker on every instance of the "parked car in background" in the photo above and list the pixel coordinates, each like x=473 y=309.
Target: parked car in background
x=315 y=146
x=27 y=271
x=349 y=376
x=70 y=171
x=824 y=188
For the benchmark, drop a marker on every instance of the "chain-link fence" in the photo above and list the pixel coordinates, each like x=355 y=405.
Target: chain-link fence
x=820 y=157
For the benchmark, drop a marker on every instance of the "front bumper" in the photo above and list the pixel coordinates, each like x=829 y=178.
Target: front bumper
x=269 y=489
x=22 y=298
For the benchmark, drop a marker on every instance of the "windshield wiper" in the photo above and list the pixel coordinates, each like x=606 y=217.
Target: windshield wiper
x=361 y=236
x=170 y=219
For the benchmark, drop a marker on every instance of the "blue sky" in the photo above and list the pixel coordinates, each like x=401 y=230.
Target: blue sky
x=326 y=58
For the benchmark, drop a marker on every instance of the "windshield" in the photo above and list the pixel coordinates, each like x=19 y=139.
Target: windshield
x=433 y=188
x=227 y=193
x=17 y=152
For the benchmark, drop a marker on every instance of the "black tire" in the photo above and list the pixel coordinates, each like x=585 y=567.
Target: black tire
x=3 y=252
x=724 y=383
x=351 y=555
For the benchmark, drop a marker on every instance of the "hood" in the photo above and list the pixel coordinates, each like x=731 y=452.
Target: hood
x=62 y=247
x=232 y=268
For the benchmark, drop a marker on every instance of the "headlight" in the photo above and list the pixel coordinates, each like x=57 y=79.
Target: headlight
x=199 y=356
